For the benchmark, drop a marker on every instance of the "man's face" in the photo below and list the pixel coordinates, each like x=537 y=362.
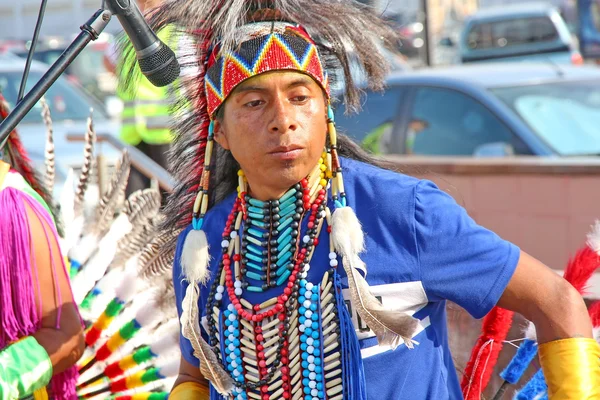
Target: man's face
x=275 y=126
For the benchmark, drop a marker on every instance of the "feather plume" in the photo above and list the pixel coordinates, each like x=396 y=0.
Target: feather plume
x=195 y=257
x=594 y=312
x=581 y=268
x=88 y=163
x=190 y=328
x=110 y=201
x=67 y=202
x=155 y=261
x=390 y=326
x=50 y=164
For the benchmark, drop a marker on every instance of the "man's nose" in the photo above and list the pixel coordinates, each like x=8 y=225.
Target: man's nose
x=283 y=117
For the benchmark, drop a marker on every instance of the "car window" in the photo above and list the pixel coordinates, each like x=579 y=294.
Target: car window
x=65 y=102
x=514 y=32
x=378 y=111
x=450 y=123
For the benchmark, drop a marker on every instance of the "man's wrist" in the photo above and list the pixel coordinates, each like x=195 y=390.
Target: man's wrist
x=571 y=368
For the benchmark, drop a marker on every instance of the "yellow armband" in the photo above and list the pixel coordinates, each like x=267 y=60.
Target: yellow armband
x=571 y=368
x=190 y=391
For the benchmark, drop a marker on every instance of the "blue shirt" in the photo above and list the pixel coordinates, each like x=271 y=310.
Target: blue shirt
x=421 y=250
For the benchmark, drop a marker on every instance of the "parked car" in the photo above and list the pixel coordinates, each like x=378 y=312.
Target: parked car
x=529 y=32
x=482 y=110
x=69 y=106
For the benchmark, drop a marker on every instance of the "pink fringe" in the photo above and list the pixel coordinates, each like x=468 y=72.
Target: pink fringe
x=18 y=314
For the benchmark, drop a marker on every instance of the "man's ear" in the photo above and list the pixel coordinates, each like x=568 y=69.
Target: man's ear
x=219 y=134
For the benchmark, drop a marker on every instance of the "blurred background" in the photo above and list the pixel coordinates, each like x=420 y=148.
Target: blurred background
x=497 y=101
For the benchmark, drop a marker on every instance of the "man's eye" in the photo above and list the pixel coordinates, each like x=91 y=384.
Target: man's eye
x=301 y=98
x=254 y=103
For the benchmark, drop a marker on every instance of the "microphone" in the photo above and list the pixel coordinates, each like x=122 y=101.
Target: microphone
x=156 y=60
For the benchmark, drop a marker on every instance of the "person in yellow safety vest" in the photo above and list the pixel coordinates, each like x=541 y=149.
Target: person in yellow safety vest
x=145 y=118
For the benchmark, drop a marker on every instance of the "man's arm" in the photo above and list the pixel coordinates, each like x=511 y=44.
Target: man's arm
x=567 y=351
x=190 y=383
x=542 y=296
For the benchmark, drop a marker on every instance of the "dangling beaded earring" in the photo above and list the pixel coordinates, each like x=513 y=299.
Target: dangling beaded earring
x=194 y=258
x=333 y=163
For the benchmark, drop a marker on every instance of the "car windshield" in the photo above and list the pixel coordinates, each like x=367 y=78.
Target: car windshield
x=65 y=101
x=513 y=32
x=565 y=115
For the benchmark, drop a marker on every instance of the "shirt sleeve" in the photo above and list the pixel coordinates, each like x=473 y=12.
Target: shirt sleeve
x=180 y=285
x=459 y=260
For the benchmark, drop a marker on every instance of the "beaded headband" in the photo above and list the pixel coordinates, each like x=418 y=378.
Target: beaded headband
x=282 y=47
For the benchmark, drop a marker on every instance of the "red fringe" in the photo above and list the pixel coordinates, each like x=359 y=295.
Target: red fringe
x=594 y=312
x=478 y=371
x=581 y=267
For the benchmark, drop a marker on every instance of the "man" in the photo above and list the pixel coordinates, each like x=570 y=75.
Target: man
x=41 y=335
x=145 y=118
x=270 y=279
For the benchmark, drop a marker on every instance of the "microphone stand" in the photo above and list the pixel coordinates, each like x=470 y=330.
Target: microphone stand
x=89 y=31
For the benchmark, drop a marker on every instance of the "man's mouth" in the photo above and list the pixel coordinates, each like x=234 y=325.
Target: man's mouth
x=286 y=152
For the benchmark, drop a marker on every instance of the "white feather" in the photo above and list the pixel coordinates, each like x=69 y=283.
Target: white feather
x=596 y=333
x=84 y=248
x=169 y=340
x=347 y=234
x=67 y=200
x=593 y=238
x=530 y=332
x=147 y=314
x=128 y=286
x=73 y=233
x=169 y=368
x=195 y=257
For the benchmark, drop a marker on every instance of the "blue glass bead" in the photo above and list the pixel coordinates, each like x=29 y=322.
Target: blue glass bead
x=303 y=346
x=281 y=270
x=254 y=266
x=283 y=277
x=253 y=275
x=314 y=335
x=240 y=368
x=256 y=210
x=303 y=338
x=230 y=367
x=338 y=204
x=305 y=373
x=237 y=352
x=315 y=325
x=260 y=224
x=236 y=342
x=302 y=311
x=302 y=319
x=291 y=209
x=255 y=249
x=256 y=203
x=255 y=232
x=330 y=114
x=315 y=317
x=308 y=397
x=287 y=194
x=318 y=369
x=285 y=244
x=226 y=313
x=313 y=307
x=228 y=359
x=255 y=289
x=319 y=378
x=317 y=360
x=255 y=216
x=308 y=331
x=315 y=289
x=303 y=284
x=235 y=323
x=254 y=257
x=317 y=352
x=227 y=321
x=240 y=378
x=284 y=259
x=284 y=234
x=304 y=356
x=227 y=342
x=305 y=382
x=316 y=343
x=304 y=364
x=306 y=390
x=319 y=385
x=321 y=394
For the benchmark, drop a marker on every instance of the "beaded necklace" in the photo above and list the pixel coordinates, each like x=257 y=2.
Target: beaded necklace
x=261 y=250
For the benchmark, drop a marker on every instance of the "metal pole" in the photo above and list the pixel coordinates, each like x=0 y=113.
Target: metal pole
x=426 y=36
